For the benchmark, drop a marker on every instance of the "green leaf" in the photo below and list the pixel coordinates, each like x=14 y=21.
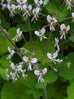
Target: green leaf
x=25 y=27
x=4 y=43
x=56 y=90
x=49 y=78
x=56 y=5
x=12 y=32
x=4 y=63
x=35 y=92
x=70 y=91
x=4 y=23
x=71 y=38
x=39 y=48
x=15 y=91
x=30 y=82
x=64 y=71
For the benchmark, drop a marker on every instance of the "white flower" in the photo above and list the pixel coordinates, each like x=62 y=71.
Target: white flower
x=41 y=34
x=35 y=12
x=27 y=9
x=69 y=4
x=73 y=15
x=30 y=61
x=19 y=33
x=53 y=56
x=38 y=2
x=64 y=30
x=40 y=73
x=21 y=1
x=20 y=5
x=56 y=43
x=51 y=20
x=11 y=9
x=11 y=53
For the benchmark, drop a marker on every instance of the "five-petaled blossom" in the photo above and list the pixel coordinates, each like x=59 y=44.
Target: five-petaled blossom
x=30 y=61
x=27 y=8
x=11 y=53
x=40 y=73
x=35 y=12
x=69 y=4
x=64 y=30
x=41 y=34
x=38 y=2
x=11 y=9
x=52 y=57
x=19 y=33
x=56 y=44
x=51 y=20
x=73 y=15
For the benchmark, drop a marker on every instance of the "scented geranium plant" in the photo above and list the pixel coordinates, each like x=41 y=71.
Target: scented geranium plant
x=35 y=38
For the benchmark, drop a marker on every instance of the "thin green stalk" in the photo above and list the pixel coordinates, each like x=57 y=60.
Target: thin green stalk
x=45 y=90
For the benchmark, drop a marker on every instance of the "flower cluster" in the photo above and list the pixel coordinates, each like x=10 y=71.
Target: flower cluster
x=28 y=10
x=18 y=69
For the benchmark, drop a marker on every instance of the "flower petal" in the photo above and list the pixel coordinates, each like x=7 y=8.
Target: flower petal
x=36 y=72
x=33 y=60
x=25 y=58
x=49 y=55
x=44 y=70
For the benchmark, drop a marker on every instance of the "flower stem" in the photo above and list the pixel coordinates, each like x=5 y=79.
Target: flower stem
x=45 y=90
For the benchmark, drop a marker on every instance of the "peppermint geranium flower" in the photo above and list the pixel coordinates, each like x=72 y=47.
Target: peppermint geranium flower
x=27 y=9
x=51 y=20
x=73 y=15
x=52 y=57
x=11 y=53
x=41 y=34
x=64 y=30
x=19 y=33
x=20 y=3
x=56 y=43
x=11 y=9
x=40 y=73
x=38 y=3
x=69 y=4
x=30 y=61
x=35 y=12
